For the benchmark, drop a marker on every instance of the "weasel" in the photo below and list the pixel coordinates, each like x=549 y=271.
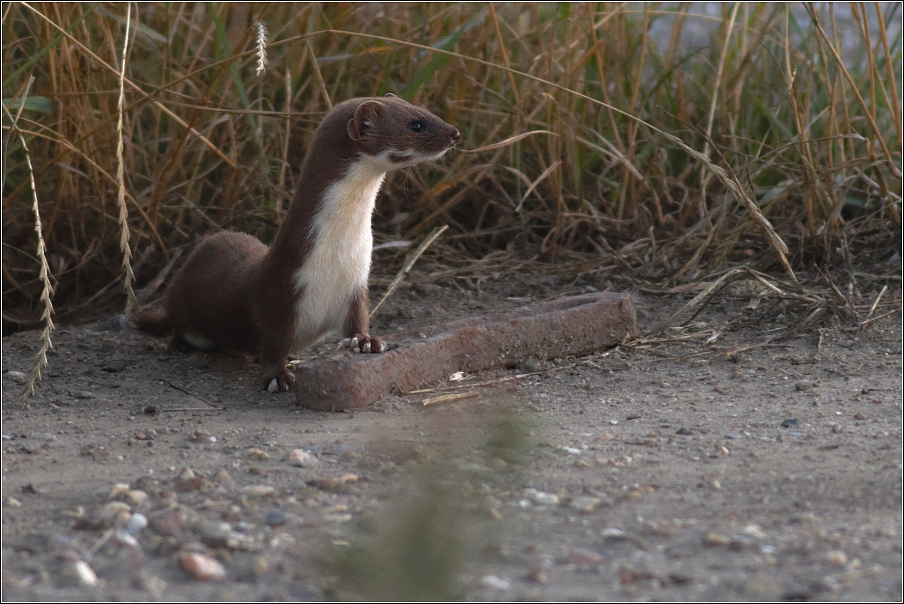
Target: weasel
x=234 y=292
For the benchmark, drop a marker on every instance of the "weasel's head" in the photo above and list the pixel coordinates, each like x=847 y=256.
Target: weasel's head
x=396 y=133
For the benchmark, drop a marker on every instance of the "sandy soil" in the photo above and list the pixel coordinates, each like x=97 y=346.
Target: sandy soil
x=658 y=470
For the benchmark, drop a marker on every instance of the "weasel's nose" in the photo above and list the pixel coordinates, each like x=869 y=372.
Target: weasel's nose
x=455 y=136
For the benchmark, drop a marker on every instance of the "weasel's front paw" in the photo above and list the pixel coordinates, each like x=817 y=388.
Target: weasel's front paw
x=364 y=344
x=280 y=382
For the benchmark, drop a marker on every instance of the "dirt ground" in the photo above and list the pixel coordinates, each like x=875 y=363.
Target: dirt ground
x=659 y=470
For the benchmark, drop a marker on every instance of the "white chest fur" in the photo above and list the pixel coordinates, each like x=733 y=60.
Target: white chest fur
x=338 y=265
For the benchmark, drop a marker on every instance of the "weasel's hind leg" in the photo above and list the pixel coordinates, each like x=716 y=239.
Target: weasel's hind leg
x=178 y=344
x=275 y=377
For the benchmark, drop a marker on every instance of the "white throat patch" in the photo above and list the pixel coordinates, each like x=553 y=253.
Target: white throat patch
x=339 y=263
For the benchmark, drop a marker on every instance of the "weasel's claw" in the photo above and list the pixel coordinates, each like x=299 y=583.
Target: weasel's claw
x=280 y=383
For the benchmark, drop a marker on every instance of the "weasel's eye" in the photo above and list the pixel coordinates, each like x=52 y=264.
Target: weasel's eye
x=415 y=126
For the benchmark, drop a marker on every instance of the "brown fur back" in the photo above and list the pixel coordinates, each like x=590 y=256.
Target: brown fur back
x=211 y=294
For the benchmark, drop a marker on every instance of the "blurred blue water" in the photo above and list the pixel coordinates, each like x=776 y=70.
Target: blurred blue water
x=705 y=17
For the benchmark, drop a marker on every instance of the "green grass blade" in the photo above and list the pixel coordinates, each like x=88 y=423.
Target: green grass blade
x=224 y=51
x=141 y=27
x=40 y=104
x=440 y=59
x=40 y=54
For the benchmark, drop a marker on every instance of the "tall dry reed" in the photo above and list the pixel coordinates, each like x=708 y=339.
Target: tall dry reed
x=666 y=142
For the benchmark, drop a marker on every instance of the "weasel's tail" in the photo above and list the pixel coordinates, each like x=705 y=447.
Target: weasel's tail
x=155 y=322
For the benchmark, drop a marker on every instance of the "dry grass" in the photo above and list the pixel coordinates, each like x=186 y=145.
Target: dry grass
x=771 y=142
x=120 y=177
x=47 y=288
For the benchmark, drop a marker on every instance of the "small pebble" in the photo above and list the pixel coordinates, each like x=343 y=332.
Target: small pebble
x=804 y=386
x=111 y=515
x=716 y=540
x=149 y=583
x=494 y=582
x=259 y=566
x=168 y=524
x=498 y=464
x=136 y=497
x=276 y=518
x=12 y=502
x=188 y=481
x=217 y=534
x=761 y=586
x=535 y=574
x=259 y=491
x=118 y=491
x=585 y=504
x=84 y=574
x=115 y=365
x=541 y=498
x=530 y=366
x=114 y=323
x=16 y=376
x=333 y=484
x=571 y=450
x=82 y=394
x=95 y=452
x=754 y=531
x=581 y=556
x=255 y=454
x=136 y=523
x=124 y=539
x=789 y=422
x=684 y=431
x=836 y=557
x=202 y=567
x=222 y=476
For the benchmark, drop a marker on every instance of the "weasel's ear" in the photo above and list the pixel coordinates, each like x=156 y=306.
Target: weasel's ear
x=365 y=115
x=390 y=95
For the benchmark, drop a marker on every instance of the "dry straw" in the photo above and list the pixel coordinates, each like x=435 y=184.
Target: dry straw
x=601 y=144
x=128 y=276
x=46 y=287
x=260 y=31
